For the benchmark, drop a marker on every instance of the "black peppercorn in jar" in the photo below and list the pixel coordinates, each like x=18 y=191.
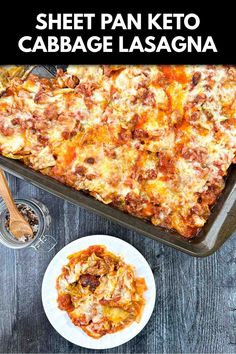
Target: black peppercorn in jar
x=30 y=216
x=37 y=215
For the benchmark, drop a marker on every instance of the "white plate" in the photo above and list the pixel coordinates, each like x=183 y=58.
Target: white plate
x=60 y=320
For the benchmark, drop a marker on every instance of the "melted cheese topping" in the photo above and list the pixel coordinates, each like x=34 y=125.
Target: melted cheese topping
x=100 y=292
x=154 y=141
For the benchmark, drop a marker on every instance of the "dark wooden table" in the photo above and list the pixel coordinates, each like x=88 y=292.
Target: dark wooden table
x=195 y=310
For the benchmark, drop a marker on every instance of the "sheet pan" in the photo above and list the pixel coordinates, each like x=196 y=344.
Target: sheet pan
x=219 y=227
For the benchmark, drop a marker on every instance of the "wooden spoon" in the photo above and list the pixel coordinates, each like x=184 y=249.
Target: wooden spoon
x=18 y=226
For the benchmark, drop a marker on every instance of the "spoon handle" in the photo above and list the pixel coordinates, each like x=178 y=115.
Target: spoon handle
x=5 y=192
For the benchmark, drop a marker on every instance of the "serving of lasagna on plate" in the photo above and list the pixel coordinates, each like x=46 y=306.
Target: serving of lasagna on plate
x=99 y=291
x=153 y=141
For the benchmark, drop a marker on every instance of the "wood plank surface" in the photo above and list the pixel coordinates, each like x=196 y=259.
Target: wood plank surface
x=195 y=310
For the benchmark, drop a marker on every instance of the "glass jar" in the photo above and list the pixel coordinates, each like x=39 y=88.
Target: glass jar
x=41 y=241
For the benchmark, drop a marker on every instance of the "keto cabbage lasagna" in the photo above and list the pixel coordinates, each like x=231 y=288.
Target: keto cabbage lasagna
x=99 y=291
x=154 y=141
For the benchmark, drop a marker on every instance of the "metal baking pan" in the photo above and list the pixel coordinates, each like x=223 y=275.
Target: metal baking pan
x=219 y=227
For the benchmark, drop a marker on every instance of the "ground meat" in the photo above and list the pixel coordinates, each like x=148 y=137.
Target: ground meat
x=199 y=155
x=108 y=70
x=110 y=153
x=146 y=96
x=88 y=102
x=201 y=210
x=41 y=125
x=81 y=170
x=134 y=203
x=210 y=195
x=166 y=163
x=8 y=131
x=195 y=116
x=209 y=115
x=196 y=78
x=89 y=280
x=82 y=320
x=232 y=74
x=124 y=135
x=45 y=83
x=114 y=180
x=140 y=133
x=135 y=119
x=72 y=81
x=90 y=160
x=66 y=134
x=29 y=123
x=65 y=303
x=90 y=176
x=86 y=88
x=42 y=139
x=41 y=97
x=147 y=175
x=151 y=174
x=51 y=112
x=8 y=93
x=200 y=98
x=15 y=121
